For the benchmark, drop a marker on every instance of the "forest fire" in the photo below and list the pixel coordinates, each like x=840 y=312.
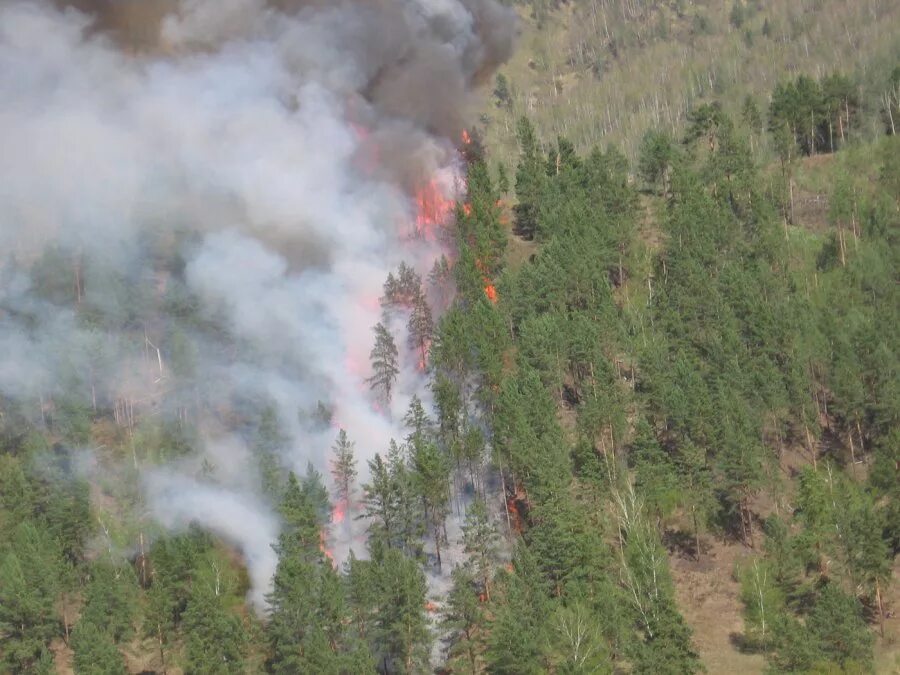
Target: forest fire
x=490 y=291
x=338 y=513
x=422 y=363
x=513 y=504
x=432 y=208
x=323 y=547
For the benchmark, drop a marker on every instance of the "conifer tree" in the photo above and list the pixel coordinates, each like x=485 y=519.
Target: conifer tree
x=343 y=467
x=480 y=540
x=385 y=366
x=401 y=629
x=214 y=636
x=463 y=616
x=529 y=179
x=269 y=442
x=95 y=651
x=432 y=475
x=421 y=327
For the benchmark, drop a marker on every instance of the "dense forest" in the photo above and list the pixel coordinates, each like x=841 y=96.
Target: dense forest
x=674 y=355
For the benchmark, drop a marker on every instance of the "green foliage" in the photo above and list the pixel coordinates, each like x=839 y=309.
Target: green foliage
x=655 y=159
x=111 y=600
x=384 y=362
x=763 y=602
x=32 y=575
x=834 y=633
x=343 y=466
x=215 y=637
x=518 y=637
x=463 y=616
x=95 y=650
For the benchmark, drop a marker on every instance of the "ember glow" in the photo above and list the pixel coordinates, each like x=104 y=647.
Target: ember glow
x=338 y=512
x=324 y=548
x=490 y=291
x=433 y=209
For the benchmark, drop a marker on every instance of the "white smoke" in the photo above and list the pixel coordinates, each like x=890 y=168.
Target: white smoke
x=273 y=149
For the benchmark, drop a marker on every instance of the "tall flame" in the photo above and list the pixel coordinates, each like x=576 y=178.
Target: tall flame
x=433 y=208
x=338 y=513
x=324 y=548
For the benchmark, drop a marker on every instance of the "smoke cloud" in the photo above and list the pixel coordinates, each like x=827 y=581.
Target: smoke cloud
x=200 y=201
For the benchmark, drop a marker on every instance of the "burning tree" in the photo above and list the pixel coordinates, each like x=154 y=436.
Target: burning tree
x=385 y=365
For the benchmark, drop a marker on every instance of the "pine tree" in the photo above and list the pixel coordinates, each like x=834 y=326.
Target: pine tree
x=95 y=651
x=480 y=539
x=111 y=599
x=432 y=476
x=463 y=616
x=32 y=574
x=501 y=92
x=385 y=366
x=655 y=159
x=301 y=519
x=343 y=467
x=418 y=422
x=502 y=179
x=421 y=327
x=517 y=638
x=838 y=630
x=313 y=486
x=269 y=443
x=214 y=636
x=26 y=616
x=380 y=498
x=530 y=178
x=401 y=628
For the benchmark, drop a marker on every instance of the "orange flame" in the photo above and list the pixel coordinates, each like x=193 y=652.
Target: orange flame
x=490 y=291
x=338 y=513
x=512 y=508
x=431 y=607
x=432 y=208
x=423 y=356
x=467 y=209
x=466 y=139
x=323 y=548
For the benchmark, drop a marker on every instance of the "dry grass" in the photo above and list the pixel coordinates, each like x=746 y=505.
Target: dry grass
x=604 y=71
x=709 y=599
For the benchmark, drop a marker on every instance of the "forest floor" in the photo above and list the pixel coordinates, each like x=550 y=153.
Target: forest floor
x=709 y=598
